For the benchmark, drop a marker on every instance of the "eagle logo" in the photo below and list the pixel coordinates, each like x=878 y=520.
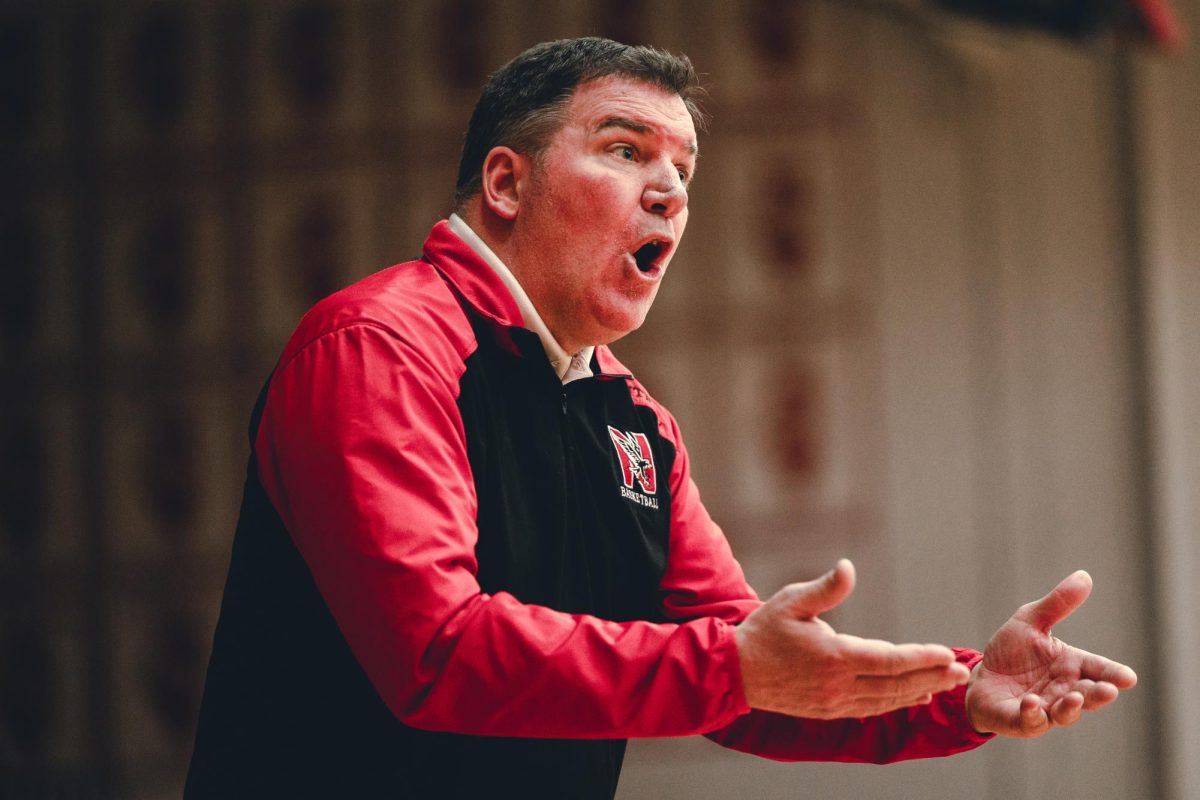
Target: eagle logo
x=637 y=460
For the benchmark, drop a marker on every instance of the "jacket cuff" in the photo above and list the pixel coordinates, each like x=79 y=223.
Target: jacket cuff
x=955 y=701
x=730 y=666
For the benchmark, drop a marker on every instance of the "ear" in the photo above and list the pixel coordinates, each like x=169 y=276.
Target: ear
x=503 y=175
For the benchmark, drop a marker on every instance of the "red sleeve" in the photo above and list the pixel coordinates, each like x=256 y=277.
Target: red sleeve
x=362 y=452
x=703 y=578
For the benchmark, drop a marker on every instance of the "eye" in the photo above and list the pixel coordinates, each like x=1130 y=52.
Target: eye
x=683 y=175
x=626 y=151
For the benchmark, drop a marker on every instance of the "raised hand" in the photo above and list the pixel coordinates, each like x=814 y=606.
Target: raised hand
x=1030 y=682
x=795 y=663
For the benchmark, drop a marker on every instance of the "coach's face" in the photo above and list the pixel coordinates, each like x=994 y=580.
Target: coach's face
x=602 y=211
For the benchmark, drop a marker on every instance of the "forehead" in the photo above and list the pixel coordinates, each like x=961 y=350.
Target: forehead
x=644 y=104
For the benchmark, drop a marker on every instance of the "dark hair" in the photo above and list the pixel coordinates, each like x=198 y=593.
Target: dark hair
x=521 y=105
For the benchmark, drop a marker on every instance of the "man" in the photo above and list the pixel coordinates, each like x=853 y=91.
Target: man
x=471 y=560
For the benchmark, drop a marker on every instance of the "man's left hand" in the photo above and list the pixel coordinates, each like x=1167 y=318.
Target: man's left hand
x=1029 y=682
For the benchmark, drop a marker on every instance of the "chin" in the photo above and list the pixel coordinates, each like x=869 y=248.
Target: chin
x=616 y=326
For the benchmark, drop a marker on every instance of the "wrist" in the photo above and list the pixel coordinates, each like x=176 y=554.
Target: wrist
x=744 y=662
x=970 y=703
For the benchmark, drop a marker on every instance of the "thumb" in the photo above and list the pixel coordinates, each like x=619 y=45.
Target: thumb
x=809 y=599
x=1059 y=604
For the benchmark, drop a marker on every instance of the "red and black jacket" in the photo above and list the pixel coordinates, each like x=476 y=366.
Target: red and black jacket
x=454 y=576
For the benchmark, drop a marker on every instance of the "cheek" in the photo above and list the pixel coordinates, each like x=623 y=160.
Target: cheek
x=598 y=195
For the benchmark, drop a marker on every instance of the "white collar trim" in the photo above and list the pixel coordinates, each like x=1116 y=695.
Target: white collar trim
x=568 y=367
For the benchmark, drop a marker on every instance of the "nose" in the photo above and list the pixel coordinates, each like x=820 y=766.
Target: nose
x=666 y=195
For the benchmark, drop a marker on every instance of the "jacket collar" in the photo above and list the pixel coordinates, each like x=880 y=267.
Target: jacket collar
x=493 y=289
x=470 y=276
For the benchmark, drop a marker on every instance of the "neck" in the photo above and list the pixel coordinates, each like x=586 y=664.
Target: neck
x=497 y=234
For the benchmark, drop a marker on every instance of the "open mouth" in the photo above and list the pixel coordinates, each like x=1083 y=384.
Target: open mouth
x=647 y=256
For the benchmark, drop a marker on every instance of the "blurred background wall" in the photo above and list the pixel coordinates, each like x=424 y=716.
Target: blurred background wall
x=936 y=311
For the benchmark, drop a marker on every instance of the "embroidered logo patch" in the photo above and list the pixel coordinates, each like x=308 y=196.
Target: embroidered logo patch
x=637 y=466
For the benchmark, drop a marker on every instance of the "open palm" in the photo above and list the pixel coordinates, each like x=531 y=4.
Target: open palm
x=1030 y=682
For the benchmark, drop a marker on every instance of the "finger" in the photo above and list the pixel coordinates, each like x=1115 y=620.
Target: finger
x=877 y=657
x=1067 y=710
x=1098 y=695
x=1084 y=687
x=1033 y=717
x=1099 y=668
x=807 y=600
x=1059 y=603
x=910 y=684
x=873 y=708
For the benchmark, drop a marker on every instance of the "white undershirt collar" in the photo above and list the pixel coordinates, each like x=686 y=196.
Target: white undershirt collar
x=568 y=367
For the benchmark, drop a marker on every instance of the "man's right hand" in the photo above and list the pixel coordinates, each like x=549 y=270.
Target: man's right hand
x=795 y=663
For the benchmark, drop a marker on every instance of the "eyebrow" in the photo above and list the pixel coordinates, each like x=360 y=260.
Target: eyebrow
x=637 y=127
